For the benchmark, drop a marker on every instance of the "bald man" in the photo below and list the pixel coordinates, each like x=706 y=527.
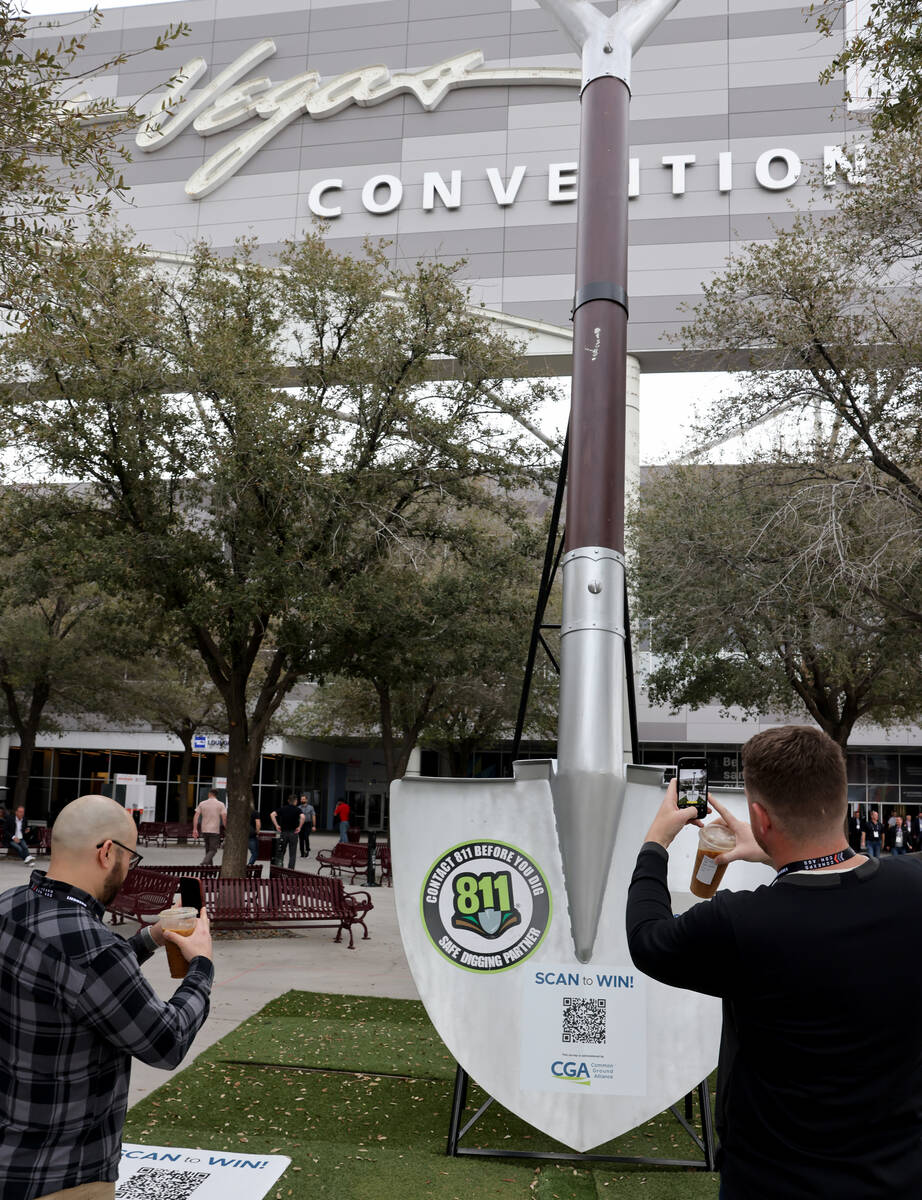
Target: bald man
x=76 y=1008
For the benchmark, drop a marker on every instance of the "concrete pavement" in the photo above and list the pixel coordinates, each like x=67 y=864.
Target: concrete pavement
x=251 y=972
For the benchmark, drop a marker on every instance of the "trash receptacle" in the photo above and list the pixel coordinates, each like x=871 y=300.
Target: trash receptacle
x=265 y=846
x=354 y=834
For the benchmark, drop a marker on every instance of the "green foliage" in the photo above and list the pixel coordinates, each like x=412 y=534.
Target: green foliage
x=438 y=638
x=887 y=49
x=61 y=151
x=747 y=604
x=828 y=319
x=66 y=643
x=254 y=442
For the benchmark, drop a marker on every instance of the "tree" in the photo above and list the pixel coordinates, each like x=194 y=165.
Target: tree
x=827 y=320
x=741 y=614
x=65 y=642
x=253 y=437
x=170 y=689
x=887 y=50
x=61 y=150
x=438 y=643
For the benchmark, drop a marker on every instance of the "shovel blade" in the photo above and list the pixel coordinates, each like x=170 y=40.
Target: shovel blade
x=497 y=1000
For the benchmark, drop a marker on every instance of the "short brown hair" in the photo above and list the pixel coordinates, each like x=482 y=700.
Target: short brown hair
x=798 y=774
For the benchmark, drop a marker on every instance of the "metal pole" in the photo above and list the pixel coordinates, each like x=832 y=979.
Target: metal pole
x=589 y=785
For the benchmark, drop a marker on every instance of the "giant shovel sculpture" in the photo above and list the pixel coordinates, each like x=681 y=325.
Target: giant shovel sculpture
x=511 y=894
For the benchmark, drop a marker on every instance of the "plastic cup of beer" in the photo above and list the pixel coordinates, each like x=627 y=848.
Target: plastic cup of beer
x=181 y=921
x=713 y=839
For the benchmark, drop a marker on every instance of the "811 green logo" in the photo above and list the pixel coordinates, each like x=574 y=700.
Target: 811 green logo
x=485 y=905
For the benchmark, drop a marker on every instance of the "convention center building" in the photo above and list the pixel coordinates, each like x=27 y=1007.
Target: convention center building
x=450 y=131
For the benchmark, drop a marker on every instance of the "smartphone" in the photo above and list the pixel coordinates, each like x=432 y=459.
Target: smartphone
x=191 y=893
x=692 y=777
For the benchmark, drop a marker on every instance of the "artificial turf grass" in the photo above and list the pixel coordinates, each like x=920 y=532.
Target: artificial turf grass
x=366 y=1116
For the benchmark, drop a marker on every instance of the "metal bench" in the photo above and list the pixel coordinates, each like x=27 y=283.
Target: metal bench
x=286 y=898
x=152 y=831
x=143 y=895
x=178 y=831
x=383 y=855
x=296 y=898
x=345 y=856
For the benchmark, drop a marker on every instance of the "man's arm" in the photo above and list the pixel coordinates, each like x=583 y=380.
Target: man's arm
x=694 y=951
x=272 y=818
x=121 y=1006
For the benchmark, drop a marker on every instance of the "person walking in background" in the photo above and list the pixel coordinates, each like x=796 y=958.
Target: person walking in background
x=856 y=830
x=917 y=831
x=288 y=821
x=896 y=840
x=253 y=840
x=310 y=824
x=341 y=814
x=873 y=836
x=210 y=818
x=15 y=829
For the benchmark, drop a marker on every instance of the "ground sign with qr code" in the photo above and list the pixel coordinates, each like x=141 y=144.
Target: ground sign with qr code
x=178 y=1173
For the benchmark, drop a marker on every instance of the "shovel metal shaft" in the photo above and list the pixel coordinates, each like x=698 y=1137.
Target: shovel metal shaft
x=589 y=786
x=595 y=480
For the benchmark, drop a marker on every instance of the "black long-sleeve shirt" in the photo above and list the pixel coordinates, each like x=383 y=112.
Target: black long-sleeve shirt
x=816 y=1096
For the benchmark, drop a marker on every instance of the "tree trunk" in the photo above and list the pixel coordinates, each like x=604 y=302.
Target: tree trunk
x=242 y=758
x=28 y=732
x=184 y=733
x=24 y=770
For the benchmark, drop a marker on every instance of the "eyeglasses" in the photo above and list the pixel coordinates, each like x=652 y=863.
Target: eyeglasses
x=135 y=857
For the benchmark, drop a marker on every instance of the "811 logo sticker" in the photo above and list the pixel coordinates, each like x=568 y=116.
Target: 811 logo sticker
x=485 y=905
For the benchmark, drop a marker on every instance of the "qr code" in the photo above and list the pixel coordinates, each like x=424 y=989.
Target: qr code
x=583 y=1021
x=151 y=1183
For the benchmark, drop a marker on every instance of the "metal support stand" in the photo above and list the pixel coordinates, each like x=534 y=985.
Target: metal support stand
x=705 y=1141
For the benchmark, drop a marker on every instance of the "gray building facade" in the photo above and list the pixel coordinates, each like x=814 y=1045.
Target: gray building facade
x=450 y=129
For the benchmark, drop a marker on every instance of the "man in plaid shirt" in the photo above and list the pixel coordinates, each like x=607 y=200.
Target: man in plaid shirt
x=76 y=1008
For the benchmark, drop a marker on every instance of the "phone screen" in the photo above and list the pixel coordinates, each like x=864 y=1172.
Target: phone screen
x=692 y=783
x=191 y=892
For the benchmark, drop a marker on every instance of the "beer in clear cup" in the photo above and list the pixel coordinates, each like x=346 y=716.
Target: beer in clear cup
x=713 y=839
x=181 y=921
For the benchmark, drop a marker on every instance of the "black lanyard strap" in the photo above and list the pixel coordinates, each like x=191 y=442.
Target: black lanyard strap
x=816 y=864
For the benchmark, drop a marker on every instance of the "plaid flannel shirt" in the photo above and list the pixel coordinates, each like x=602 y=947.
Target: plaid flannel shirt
x=75 y=1008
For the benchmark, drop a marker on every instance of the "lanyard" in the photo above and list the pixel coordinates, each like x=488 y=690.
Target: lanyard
x=815 y=864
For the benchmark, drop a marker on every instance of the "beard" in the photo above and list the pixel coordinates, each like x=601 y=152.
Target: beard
x=111 y=885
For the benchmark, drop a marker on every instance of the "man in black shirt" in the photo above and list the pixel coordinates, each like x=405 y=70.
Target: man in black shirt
x=288 y=821
x=856 y=828
x=815 y=1098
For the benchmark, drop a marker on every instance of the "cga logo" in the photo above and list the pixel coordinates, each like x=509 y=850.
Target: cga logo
x=573 y=1071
